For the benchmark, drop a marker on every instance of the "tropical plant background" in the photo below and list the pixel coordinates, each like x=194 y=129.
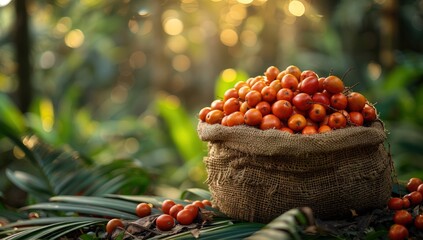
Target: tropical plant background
x=100 y=97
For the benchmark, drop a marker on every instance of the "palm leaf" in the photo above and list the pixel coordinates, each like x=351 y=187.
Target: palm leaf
x=196 y=193
x=81 y=209
x=62 y=172
x=51 y=228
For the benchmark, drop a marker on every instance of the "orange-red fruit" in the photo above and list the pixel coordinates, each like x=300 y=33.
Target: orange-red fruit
x=317 y=112
x=173 y=211
x=198 y=203
x=333 y=84
x=112 y=224
x=253 y=117
x=418 y=222
x=214 y=116
x=284 y=94
x=185 y=217
x=235 y=118
x=217 y=105
x=252 y=98
x=395 y=203
x=324 y=128
x=207 y=202
x=307 y=130
x=165 y=222
x=420 y=188
x=242 y=92
x=264 y=107
x=271 y=73
x=203 y=113
x=297 y=122
x=415 y=198
x=294 y=70
x=287 y=129
x=322 y=99
x=258 y=86
x=413 y=184
x=268 y=94
x=406 y=202
x=238 y=85
x=339 y=101
x=282 y=109
x=356 y=102
x=270 y=121
x=402 y=217
x=397 y=232
x=166 y=205
x=302 y=101
x=276 y=84
x=369 y=113
x=289 y=81
x=230 y=93
x=231 y=105
x=356 y=118
x=143 y=209
x=192 y=208
x=309 y=85
x=337 y=120
x=308 y=73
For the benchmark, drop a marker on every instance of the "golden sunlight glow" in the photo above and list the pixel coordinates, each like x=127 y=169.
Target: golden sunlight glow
x=4 y=2
x=74 y=39
x=296 y=8
x=196 y=35
x=177 y=44
x=229 y=75
x=189 y=6
x=245 y=1
x=173 y=26
x=374 y=70
x=237 y=12
x=229 y=37
x=63 y=25
x=46 y=114
x=248 y=38
x=181 y=63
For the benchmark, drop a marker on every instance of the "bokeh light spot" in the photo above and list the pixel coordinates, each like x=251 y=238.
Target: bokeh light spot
x=4 y=2
x=229 y=75
x=177 y=44
x=137 y=59
x=74 y=39
x=229 y=37
x=47 y=60
x=248 y=38
x=181 y=63
x=296 y=8
x=131 y=145
x=173 y=26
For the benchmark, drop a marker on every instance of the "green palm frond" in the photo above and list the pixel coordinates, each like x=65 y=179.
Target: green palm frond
x=63 y=172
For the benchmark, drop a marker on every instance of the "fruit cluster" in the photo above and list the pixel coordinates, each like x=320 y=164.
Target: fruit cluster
x=172 y=214
x=290 y=100
x=407 y=210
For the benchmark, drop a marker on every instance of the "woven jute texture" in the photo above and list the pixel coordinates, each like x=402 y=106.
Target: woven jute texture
x=256 y=175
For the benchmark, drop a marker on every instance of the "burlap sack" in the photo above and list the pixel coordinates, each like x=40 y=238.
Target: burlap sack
x=256 y=175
